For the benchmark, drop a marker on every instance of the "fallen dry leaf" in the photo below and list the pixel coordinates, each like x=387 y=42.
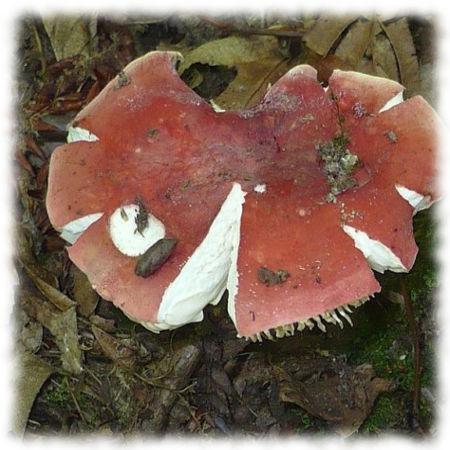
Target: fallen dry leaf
x=333 y=391
x=257 y=59
x=27 y=259
x=83 y=293
x=383 y=57
x=32 y=373
x=108 y=325
x=354 y=44
x=181 y=364
x=29 y=332
x=326 y=31
x=402 y=42
x=61 y=324
x=376 y=46
x=72 y=35
x=113 y=348
x=55 y=296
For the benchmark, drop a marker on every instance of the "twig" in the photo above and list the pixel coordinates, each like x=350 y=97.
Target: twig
x=77 y=406
x=72 y=395
x=416 y=349
x=191 y=413
x=38 y=42
x=152 y=383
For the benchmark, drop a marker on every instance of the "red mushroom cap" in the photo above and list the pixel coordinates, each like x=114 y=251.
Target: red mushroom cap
x=286 y=252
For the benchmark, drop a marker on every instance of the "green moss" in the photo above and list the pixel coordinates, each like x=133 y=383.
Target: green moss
x=389 y=352
x=307 y=422
x=305 y=419
x=56 y=391
x=390 y=347
x=385 y=414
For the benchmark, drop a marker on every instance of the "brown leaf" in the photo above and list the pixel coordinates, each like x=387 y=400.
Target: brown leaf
x=108 y=325
x=61 y=324
x=93 y=91
x=56 y=297
x=113 y=348
x=429 y=88
x=256 y=369
x=23 y=161
x=41 y=178
x=355 y=42
x=326 y=32
x=383 y=56
x=402 y=42
x=369 y=45
x=33 y=146
x=26 y=258
x=251 y=83
x=31 y=332
x=327 y=64
x=65 y=104
x=83 y=292
x=71 y=36
x=334 y=392
x=182 y=363
x=40 y=125
x=258 y=62
x=32 y=373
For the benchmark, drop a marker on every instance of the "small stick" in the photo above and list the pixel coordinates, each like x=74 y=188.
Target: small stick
x=416 y=348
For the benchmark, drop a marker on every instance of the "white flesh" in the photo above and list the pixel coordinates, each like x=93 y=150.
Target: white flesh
x=379 y=256
x=125 y=236
x=210 y=270
x=416 y=200
x=73 y=230
x=397 y=99
x=76 y=134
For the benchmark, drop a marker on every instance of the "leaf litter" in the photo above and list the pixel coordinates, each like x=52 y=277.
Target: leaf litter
x=258 y=61
x=374 y=45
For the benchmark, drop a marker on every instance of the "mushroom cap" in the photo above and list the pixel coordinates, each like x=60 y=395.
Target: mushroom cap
x=243 y=190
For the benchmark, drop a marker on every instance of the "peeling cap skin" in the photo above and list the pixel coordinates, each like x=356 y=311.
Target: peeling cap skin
x=244 y=190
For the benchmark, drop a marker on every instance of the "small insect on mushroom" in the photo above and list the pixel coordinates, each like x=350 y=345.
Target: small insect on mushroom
x=141 y=218
x=154 y=257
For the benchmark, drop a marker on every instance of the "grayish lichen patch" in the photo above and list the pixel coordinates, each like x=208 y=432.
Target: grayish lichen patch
x=338 y=164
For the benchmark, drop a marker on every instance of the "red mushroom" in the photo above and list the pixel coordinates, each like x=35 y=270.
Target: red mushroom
x=287 y=204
